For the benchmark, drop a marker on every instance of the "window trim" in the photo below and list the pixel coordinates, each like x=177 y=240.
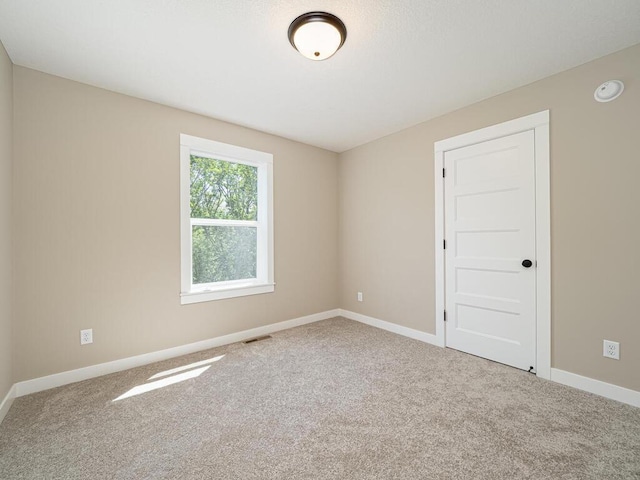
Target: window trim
x=264 y=281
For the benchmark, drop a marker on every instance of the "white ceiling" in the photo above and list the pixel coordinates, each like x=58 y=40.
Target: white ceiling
x=404 y=61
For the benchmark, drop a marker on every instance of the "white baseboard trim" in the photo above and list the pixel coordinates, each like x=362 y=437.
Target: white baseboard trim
x=392 y=327
x=7 y=401
x=57 y=380
x=608 y=390
x=27 y=387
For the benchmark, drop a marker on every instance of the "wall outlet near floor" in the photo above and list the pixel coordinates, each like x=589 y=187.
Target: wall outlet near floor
x=611 y=349
x=86 y=336
x=359 y=296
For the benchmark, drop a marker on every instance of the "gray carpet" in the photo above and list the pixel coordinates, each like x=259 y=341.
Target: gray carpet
x=335 y=399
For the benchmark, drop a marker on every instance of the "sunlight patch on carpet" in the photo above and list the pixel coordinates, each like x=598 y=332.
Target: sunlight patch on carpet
x=186 y=367
x=165 y=382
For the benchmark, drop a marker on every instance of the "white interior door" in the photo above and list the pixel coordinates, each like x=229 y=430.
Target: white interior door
x=490 y=294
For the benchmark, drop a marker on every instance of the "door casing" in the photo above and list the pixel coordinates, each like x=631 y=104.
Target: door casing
x=539 y=123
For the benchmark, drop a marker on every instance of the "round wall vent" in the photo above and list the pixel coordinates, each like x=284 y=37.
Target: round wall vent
x=609 y=91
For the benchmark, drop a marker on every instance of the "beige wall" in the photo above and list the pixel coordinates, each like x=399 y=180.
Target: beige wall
x=97 y=241
x=6 y=141
x=97 y=228
x=387 y=215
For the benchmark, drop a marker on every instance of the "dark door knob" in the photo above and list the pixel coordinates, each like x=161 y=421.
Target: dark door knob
x=527 y=263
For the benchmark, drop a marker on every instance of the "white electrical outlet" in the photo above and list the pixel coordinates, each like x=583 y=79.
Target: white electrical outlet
x=611 y=350
x=359 y=296
x=86 y=336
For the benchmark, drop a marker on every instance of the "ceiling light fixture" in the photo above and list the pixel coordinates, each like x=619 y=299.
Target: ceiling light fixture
x=317 y=35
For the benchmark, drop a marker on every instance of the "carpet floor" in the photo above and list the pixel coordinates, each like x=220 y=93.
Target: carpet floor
x=331 y=400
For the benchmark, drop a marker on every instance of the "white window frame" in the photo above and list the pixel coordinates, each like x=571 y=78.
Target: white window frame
x=264 y=281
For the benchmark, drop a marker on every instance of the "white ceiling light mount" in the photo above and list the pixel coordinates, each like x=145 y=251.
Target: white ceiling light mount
x=609 y=91
x=317 y=35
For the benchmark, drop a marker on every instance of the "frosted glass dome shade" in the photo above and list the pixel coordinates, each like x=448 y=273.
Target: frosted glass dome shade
x=317 y=35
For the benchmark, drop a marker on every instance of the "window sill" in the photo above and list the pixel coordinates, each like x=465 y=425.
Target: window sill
x=226 y=292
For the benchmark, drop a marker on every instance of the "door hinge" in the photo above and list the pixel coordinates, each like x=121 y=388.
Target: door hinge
x=445 y=315
x=443 y=170
x=444 y=244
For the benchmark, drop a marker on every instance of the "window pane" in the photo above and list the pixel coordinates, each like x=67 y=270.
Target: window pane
x=223 y=190
x=223 y=253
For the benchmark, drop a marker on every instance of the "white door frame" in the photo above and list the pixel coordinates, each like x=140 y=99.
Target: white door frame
x=539 y=123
